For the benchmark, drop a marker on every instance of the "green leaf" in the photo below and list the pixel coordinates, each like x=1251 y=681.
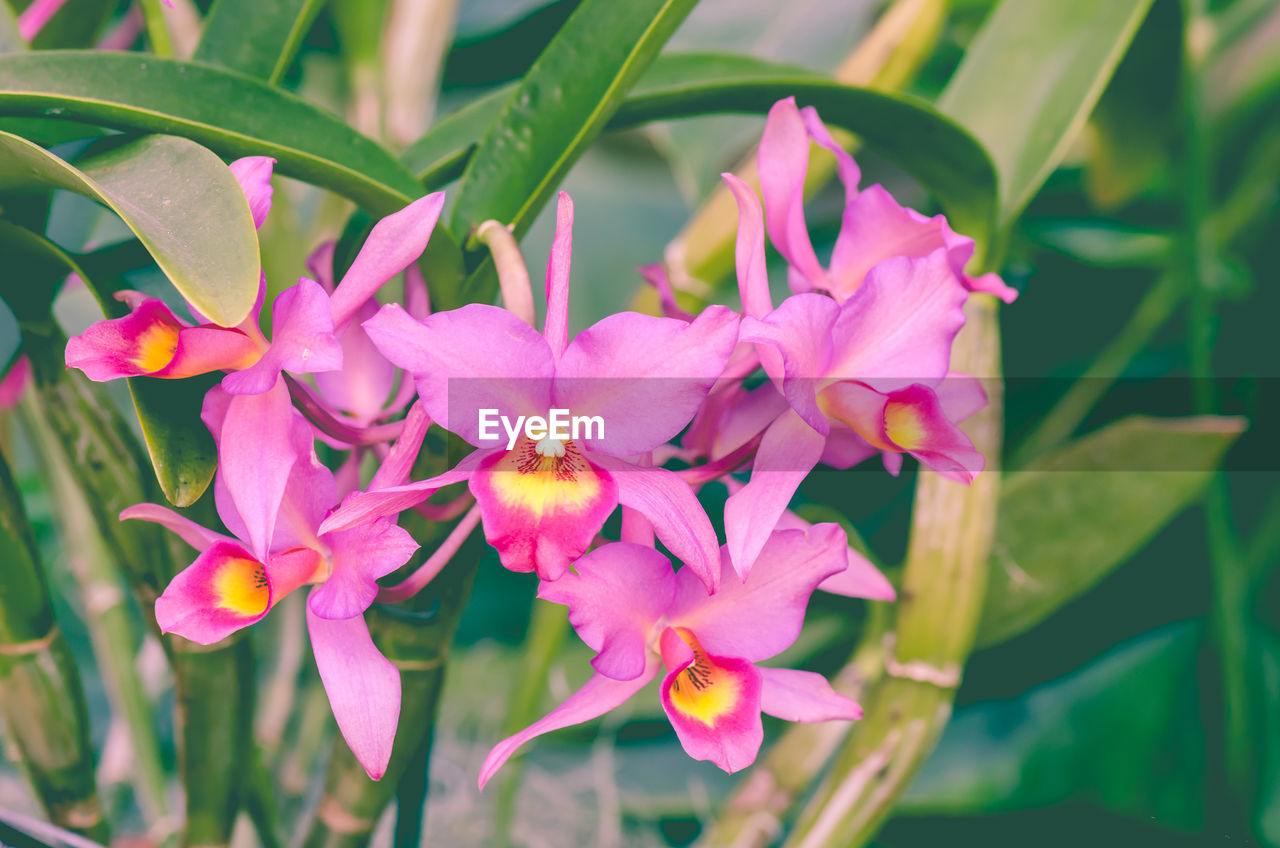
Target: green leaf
x=1122 y=732
x=77 y=24
x=255 y=38
x=10 y=338
x=1029 y=80
x=1084 y=509
x=559 y=108
x=181 y=449
x=181 y=201
x=1136 y=118
x=11 y=40
x=1106 y=244
x=228 y=112
x=932 y=148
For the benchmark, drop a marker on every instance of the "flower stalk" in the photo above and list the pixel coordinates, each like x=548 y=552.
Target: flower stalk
x=944 y=581
x=42 y=703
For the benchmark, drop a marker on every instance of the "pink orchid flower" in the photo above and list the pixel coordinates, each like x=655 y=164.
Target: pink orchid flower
x=543 y=501
x=306 y=320
x=875 y=227
x=861 y=354
x=272 y=494
x=628 y=605
x=15 y=382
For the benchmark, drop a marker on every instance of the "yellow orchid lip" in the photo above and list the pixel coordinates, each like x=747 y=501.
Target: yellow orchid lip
x=240 y=585
x=704 y=690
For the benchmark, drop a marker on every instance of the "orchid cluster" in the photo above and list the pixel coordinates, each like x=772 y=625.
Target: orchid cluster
x=857 y=361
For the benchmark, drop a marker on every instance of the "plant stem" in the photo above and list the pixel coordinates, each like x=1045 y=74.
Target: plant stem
x=42 y=702
x=157 y=29
x=1073 y=407
x=753 y=815
x=111 y=624
x=944 y=581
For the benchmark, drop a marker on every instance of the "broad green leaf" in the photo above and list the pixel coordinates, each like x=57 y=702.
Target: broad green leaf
x=48 y=132
x=1029 y=80
x=181 y=201
x=228 y=112
x=1106 y=244
x=1123 y=732
x=559 y=108
x=181 y=449
x=935 y=150
x=1084 y=509
x=258 y=39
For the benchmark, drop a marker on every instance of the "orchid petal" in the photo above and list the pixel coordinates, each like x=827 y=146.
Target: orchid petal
x=630 y=362
x=991 y=283
x=394 y=242
x=360 y=556
x=759 y=617
x=753 y=276
x=302 y=340
x=616 y=595
x=783 y=161
x=468 y=359
x=187 y=530
x=850 y=174
x=541 y=513
x=225 y=589
x=656 y=276
x=789 y=450
x=671 y=506
x=143 y=342
x=597 y=696
x=320 y=264
x=556 y=326
x=917 y=424
x=800 y=330
x=396 y=467
x=254 y=175
x=897 y=328
x=796 y=695
x=713 y=702
x=363 y=384
x=363 y=507
x=256 y=453
x=363 y=688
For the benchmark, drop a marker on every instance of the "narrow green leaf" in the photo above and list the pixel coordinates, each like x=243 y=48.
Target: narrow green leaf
x=560 y=106
x=181 y=201
x=180 y=447
x=1086 y=508
x=230 y=113
x=10 y=337
x=1029 y=80
x=77 y=24
x=258 y=39
x=932 y=148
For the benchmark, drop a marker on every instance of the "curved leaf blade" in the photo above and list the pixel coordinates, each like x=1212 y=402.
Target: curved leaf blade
x=560 y=106
x=181 y=448
x=1030 y=79
x=1086 y=508
x=230 y=113
x=255 y=38
x=181 y=201
x=939 y=153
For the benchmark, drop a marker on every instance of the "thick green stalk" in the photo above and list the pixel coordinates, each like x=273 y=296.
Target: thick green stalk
x=111 y=624
x=944 y=581
x=754 y=814
x=214 y=685
x=215 y=721
x=416 y=637
x=46 y=721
